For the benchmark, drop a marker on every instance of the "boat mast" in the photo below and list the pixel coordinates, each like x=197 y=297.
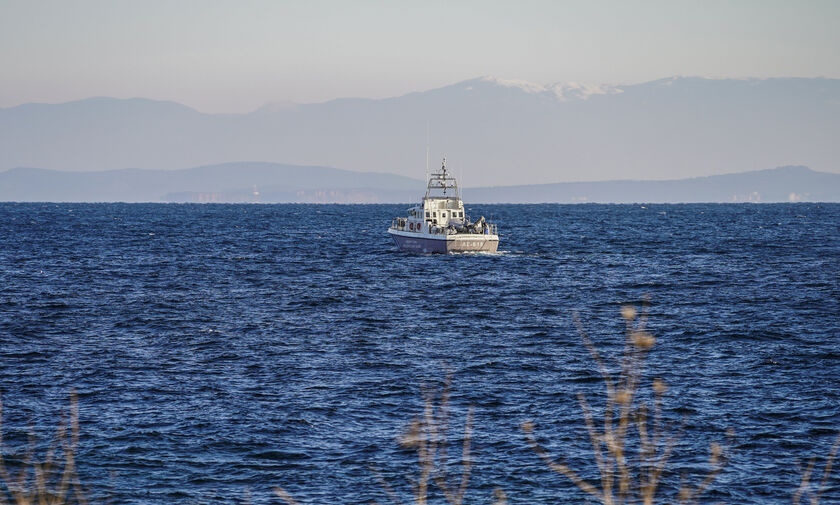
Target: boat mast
x=441 y=180
x=427 y=150
x=443 y=170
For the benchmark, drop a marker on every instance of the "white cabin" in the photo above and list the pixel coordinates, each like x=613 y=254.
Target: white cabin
x=441 y=211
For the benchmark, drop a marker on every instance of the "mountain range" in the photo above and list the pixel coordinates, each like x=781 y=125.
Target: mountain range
x=276 y=183
x=494 y=132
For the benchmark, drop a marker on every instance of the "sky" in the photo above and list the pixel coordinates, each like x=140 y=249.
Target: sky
x=235 y=56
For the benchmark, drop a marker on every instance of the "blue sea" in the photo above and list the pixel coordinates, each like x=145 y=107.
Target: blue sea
x=220 y=351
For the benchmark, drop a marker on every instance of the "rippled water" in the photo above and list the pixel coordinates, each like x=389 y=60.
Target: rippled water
x=225 y=349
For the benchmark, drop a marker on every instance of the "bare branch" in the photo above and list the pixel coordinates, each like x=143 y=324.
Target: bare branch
x=560 y=468
x=286 y=497
x=594 y=437
x=803 y=486
x=831 y=455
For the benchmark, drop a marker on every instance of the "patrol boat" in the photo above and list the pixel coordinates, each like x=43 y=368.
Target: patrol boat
x=440 y=225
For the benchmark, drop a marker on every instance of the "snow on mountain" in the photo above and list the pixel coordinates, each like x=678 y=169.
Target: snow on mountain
x=580 y=90
x=526 y=86
x=562 y=91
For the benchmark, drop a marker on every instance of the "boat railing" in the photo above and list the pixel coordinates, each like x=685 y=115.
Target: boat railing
x=489 y=229
x=401 y=225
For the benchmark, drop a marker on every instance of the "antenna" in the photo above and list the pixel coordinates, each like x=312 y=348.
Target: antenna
x=427 y=150
x=461 y=181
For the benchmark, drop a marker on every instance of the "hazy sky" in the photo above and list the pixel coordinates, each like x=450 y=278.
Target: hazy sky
x=233 y=56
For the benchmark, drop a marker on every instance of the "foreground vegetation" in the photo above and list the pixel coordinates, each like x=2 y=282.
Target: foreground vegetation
x=631 y=446
x=51 y=480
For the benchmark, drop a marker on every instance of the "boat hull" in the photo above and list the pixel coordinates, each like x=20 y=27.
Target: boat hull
x=424 y=244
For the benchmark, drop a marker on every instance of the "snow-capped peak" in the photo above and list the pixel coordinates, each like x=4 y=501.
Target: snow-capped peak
x=562 y=91
x=580 y=90
x=526 y=86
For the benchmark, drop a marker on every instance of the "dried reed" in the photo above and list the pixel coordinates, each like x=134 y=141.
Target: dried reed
x=52 y=481
x=623 y=478
x=427 y=435
x=806 y=487
x=628 y=423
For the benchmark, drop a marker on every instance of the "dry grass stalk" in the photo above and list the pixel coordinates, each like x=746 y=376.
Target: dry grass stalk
x=428 y=436
x=624 y=479
x=51 y=481
x=499 y=497
x=286 y=497
x=806 y=487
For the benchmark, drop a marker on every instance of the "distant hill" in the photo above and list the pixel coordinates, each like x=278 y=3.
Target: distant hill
x=497 y=132
x=783 y=184
x=227 y=182
x=271 y=182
